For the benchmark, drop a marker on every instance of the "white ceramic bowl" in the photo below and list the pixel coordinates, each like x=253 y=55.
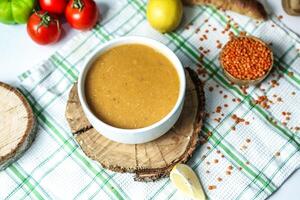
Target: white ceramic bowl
x=141 y=135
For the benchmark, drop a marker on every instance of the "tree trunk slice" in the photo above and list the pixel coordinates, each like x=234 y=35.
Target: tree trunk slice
x=152 y=160
x=17 y=125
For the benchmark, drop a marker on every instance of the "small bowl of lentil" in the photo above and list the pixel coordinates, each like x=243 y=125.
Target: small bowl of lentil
x=246 y=60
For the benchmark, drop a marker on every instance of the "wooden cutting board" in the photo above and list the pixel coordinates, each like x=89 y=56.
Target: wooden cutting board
x=17 y=125
x=152 y=160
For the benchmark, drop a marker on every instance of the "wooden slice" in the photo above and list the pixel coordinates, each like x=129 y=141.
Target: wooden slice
x=149 y=161
x=17 y=125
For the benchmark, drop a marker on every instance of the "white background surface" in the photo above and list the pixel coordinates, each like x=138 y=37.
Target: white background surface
x=18 y=53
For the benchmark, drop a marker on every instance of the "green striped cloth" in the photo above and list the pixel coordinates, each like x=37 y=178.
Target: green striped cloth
x=247 y=162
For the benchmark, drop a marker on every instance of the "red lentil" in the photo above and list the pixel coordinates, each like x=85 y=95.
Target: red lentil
x=212 y=187
x=231 y=35
x=218 y=119
x=228 y=172
x=290 y=74
x=218 y=109
x=284 y=123
x=219 y=46
x=246 y=58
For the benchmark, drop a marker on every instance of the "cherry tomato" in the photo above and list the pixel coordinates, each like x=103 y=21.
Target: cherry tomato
x=43 y=28
x=54 y=6
x=82 y=14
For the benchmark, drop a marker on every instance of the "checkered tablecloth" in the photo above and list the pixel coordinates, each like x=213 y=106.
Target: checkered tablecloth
x=248 y=160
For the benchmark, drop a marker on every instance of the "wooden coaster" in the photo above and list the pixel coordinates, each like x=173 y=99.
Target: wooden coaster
x=17 y=125
x=149 y=161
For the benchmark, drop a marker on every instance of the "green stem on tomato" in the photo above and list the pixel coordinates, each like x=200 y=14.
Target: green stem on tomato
x=45 y=19
x=78 y=4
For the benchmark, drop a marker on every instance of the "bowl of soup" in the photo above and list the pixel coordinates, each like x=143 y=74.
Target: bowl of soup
x=132 y=89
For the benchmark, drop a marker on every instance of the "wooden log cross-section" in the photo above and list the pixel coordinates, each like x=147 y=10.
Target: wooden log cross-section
x=152 y=160
x=17 y=125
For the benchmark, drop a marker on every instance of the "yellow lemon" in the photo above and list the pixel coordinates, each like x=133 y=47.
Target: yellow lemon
x=164 y=15
x=186 y=181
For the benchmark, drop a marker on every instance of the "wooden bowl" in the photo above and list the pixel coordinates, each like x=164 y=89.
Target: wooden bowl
x=245 y=82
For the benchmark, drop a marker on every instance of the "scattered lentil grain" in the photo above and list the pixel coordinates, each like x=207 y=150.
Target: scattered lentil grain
x=212 y=187
x=218 y=109
x=290 y=74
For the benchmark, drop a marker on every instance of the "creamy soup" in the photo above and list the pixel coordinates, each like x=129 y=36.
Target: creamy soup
x=131 y=86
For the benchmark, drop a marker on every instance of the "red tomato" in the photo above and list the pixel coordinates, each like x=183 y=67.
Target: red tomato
x=43 y=28
x=54 y=6
x=82 y=14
